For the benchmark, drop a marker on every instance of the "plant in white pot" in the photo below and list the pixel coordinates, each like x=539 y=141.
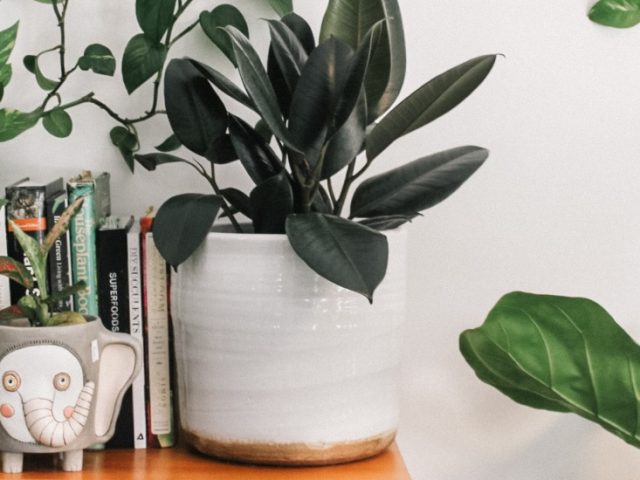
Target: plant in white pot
x=280 y=360
x=63 y=382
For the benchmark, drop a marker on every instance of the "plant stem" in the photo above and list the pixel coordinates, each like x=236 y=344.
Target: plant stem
x=184 y=32
x=349 y=178
x=227 y=210
x=332 y=194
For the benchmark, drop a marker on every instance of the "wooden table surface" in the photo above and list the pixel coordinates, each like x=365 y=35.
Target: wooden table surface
x=177 y=463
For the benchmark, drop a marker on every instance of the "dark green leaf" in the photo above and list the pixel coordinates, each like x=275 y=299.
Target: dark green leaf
x=13 y=122
x=222 y=16
x=150 y=161
x=127 y=143
x=350 y=21
x=5 y=74
x=238 y=200
x=346 y=253
x=65 y=293
x=271 y=202
x=43 y=82
x=616 y=13
x=16 y=271
x=282 y=7
x=57 y=122
x=1 y=91
x=170 y=144
x=432 y=100
x=561 y=354
x=98 y=59
x=182 y=223
x=196 y=113
x=321 y=201
x=387 y=222
x=29 y=62
x=262 y=129
x=224 y=84
x=288 y=52
x=258 y=86
x=221 y=151
x=257 y=158
x=155 y=17
x=7 y=42
x=301 y=29
x=142 y=59
x=417 y=185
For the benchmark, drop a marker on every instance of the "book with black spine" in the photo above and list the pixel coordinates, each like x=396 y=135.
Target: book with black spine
x=59 y=261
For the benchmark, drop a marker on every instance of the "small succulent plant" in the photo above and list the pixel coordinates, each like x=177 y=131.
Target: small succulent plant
x=37 y=305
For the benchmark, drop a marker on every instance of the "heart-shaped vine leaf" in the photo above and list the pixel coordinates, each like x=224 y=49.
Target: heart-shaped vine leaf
x=182 y=223
x=155 y=17
x=14 y=122
x=98 y=59
x=170 y=144
x=616 y=13
x=142 y=59
x=562 y=354
x=346 y=253
x=7 y=42
x=57 y=122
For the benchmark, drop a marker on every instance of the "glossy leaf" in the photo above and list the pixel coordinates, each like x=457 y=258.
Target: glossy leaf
x=282 y=7
x=221 y=151
x=155 y=17
x=616 y=13
x=225 y=85
x=301 y=29
x=196 y=113
x=350 y=20
x=346 y=253
x=14 y=122
x=561 y=354
x=29 y=62
x=98 y=59
x=417 y=185
x=170 y=144
x=271 y=203
x=238 y=200
x=387 y=222
x=142 y=59
x=182 y=223
x=288 y=52
x=222 y=16
x=257 y=158
x=16 y=271
x=432 y=100
x=150 y=161
x=258 y=86
x=7 y=42
x=127 y=143
x=57 y=122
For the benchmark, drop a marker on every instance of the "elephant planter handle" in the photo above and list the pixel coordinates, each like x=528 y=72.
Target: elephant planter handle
x=62 y=388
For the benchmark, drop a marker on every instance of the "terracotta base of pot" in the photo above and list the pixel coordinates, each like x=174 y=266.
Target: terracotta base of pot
x=290 y=454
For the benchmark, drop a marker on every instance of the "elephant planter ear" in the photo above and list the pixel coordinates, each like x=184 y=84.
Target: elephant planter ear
x=119 y=364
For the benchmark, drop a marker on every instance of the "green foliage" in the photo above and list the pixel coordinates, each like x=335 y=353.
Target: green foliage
x=561 y=354
x=36 y=305
x=7 y=42
x=320 y=106
x=98 y=59
x=616 y=13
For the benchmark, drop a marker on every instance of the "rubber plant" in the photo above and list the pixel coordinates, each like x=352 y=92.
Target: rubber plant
x=143 y=60
x=616 y=13
x=316 y=107
x=561 y=354
x=37 y=305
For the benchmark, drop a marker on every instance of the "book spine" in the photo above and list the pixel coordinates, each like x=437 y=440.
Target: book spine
x=136 y=327
x=83 y=249
x=59 y=261
x=5 y=293
x=160 y=432
x=113 y=292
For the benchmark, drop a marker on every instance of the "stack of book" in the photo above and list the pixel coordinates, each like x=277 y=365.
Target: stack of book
x=127 y=287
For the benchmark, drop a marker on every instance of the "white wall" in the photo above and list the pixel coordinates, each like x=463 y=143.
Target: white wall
x=554 y=210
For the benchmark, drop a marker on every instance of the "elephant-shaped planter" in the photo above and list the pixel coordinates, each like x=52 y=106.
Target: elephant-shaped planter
x=62 y=388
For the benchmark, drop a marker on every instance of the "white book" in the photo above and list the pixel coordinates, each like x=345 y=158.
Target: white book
x=5 y=294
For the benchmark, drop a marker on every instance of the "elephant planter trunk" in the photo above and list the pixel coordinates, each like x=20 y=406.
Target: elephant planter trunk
x=61 y=389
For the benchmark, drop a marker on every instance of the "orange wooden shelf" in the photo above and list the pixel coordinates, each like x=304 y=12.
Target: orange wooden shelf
x=178 y=463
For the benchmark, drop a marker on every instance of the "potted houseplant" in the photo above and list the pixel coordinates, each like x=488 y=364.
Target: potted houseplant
x=280 y=360
x=62 y=382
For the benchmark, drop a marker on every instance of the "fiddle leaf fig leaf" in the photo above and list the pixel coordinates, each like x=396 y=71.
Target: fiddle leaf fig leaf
x=57 y=122
x=430 y=101
x=271 y=202
x=350 y=22
x=616 y=13
x=346 y=253
x=14 y=122
x=98 y=59
x=155 y=17
x=142 y=59
x=182 y=223
x=561 y=354
x=7 y=42
x=417 y=185
x=282 y=7
x=16 y=271
x=222 y=16
x=196 y=113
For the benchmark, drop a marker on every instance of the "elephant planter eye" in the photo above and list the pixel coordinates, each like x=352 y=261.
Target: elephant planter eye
x=11 y=381
x=61 y=381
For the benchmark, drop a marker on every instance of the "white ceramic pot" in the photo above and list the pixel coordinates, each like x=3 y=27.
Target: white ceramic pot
x=277 y=365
